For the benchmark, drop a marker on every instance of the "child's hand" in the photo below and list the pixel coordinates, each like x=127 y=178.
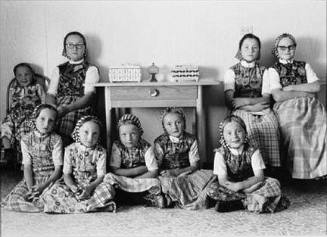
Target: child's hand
x=239 y=102
x=86 y=193
x=252 y=188
x=168 y=173
x=37 y=189
x=288 y=88
x=233 y=186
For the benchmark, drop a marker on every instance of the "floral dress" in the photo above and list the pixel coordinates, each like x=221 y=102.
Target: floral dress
x=43 y=152
x=24 y=100
x=85 y=165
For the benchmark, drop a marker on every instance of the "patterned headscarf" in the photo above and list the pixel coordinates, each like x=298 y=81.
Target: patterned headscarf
x=79 y=124
x=278 y=39
x=130 y=119
x=36 y=113
x=174 y=110
x=238 y=55
x=227 y=120
x=64 y=51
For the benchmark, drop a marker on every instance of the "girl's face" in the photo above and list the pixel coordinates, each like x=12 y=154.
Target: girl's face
x=89 y=133
x=234 y=135
x=75 y=47
x=174 y=124
x=250 y=49
x=45 y=121
x=286 y=49
x=24 y=76
x=129 y=135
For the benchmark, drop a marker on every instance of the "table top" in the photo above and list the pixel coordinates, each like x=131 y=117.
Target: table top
x=201 y=82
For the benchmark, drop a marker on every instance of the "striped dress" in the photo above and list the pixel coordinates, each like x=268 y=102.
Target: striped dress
x=188 y=191
x=265 y=198
x=303 y=126
x=262 y=127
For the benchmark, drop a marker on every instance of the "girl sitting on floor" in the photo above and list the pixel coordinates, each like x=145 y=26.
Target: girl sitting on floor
x=42 y=160
x=82 y=190
x=240 y=170
x=177 y=153
x=134 y=166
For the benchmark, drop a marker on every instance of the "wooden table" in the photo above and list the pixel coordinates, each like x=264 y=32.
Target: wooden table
x=158 y=94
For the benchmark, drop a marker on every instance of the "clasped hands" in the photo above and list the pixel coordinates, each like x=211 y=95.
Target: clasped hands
x=81 y=193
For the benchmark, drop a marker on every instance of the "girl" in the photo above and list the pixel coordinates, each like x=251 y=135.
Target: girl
x=24 y=95
x=301 y=116
x=134 y=166
x=70 y=88
x=42 y=160
x=177 y=153
x=247 y=97
x=239 y=167
x=81 y=189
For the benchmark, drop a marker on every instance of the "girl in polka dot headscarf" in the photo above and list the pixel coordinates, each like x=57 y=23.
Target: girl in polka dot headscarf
x=82 y=189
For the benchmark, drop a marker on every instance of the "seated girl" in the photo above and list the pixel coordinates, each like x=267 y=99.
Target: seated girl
x=302 y=118
x=42 y=160
x=177 y=153
x=81 y=189
x=24 y=95
x=247 y=97
x=134 y=166
x=240 y=170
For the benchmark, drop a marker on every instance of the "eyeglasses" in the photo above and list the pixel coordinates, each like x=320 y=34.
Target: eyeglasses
x=72 y=46
x=284 y=48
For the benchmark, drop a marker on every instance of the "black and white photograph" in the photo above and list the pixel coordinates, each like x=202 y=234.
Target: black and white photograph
x=172 y=118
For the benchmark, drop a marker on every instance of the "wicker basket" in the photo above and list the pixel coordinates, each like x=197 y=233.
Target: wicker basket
x=125 y=73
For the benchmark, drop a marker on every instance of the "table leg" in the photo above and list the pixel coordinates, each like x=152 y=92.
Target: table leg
x=200 y=120
x=108 y=118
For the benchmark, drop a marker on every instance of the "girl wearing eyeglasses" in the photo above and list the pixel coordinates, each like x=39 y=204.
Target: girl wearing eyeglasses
x=70 y=89
x=302 y=118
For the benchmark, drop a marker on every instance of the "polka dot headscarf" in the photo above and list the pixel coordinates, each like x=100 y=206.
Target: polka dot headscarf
x=130 y=119
x=227 y=120
x=278 y=39
x=174 y=110
x=79 y=124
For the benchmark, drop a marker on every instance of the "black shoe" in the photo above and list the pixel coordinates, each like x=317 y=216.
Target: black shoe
x=228 y=206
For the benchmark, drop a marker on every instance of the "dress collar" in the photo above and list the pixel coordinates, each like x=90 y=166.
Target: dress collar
x=283 y=61
x=76 y=62
x=247 y=64
x=237 y=151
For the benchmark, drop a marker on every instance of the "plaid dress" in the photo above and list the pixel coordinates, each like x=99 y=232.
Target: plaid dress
x=264 y=198
x=70 y=89
x=24 y=100
x=262 y=128
x=186 y=191
x=131 y=159
x=60 y=199
x=303 y=126
x=42 y=166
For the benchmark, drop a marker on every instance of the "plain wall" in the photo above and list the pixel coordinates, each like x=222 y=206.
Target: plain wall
x=205 y=33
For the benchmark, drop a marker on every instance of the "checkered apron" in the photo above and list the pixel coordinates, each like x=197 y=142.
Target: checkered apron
x=304 y=136
x=263 y=132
